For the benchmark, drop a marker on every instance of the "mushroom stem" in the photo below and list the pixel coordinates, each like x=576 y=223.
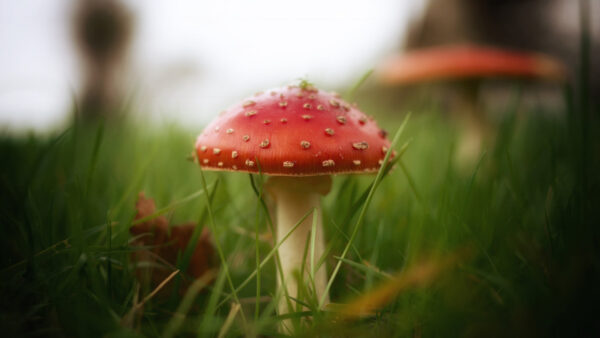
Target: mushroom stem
x=475 y=130
x=295 y=197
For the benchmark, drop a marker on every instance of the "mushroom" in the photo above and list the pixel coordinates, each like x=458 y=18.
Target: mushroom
x=299 y=136
x=468 y=64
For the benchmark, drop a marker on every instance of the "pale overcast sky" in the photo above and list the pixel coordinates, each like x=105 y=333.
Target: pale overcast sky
x=192 y=58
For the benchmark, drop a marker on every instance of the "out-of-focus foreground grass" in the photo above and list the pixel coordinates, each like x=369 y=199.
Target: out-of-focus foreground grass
x=522 y=226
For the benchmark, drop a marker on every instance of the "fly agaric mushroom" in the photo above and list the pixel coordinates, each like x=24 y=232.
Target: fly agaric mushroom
x=468 y=65
x=299 y=136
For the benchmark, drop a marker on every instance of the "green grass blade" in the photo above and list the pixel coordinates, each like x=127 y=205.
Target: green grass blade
x=213 y=229
x=268 y=257
x=363 y=210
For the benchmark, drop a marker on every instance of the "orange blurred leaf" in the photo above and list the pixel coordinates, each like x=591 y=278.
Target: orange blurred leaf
x=418 y=275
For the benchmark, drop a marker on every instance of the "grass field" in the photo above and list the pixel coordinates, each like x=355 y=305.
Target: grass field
x=508 y=246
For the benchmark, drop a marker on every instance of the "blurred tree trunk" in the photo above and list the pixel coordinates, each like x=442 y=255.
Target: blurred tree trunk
x=102 y=30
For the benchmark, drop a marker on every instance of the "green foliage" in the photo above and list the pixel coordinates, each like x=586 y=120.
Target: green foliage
x=527 y=211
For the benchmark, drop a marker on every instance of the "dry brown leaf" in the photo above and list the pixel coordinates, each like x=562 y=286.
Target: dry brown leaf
x=166 y=243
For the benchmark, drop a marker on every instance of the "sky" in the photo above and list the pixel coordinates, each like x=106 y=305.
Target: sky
x=191 y=59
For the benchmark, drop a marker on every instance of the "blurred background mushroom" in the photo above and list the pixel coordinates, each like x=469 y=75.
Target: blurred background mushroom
x=103 y=31
x=464 y=69
x=547 y=32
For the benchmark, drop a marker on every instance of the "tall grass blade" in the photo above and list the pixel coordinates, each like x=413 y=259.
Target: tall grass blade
x=364 y=209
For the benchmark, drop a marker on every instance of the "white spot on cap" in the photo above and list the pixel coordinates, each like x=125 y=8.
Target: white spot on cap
x=264 y=143
x=334 y=103
x=266 y=122
x=203 y=149
x=283 y=120
x=341 y=119
x=251 y=113
x=329 y=131
x=362 y=120
x=288 y=164
x=283 y=104
x=248 y=103
x=356 y=162
x=320 y=107
x=249 y=163
x=234 y=167
x=216 y=151
x=328 y=163
x=220 y=164
x=307 y=117
x=234 y=154
x=205 y=161
x=246 y=138
x=362 y=145
x=384 y=149
x=229 y=131
x=307 y=106
x=305 y=144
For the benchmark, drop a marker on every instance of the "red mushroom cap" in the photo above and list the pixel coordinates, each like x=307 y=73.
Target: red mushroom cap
x=454 y=62
x=293 y=131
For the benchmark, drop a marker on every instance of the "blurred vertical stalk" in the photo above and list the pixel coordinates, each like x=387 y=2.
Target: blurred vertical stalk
x=102 y=32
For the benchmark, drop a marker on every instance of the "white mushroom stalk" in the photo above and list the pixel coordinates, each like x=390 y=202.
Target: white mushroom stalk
x=294 y=198
x=299 y=135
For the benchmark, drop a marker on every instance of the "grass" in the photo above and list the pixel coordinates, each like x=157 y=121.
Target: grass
x=522 y=223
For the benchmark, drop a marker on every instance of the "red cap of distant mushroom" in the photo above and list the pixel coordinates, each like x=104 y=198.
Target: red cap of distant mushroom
x=466 y=61
x=293 y=131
